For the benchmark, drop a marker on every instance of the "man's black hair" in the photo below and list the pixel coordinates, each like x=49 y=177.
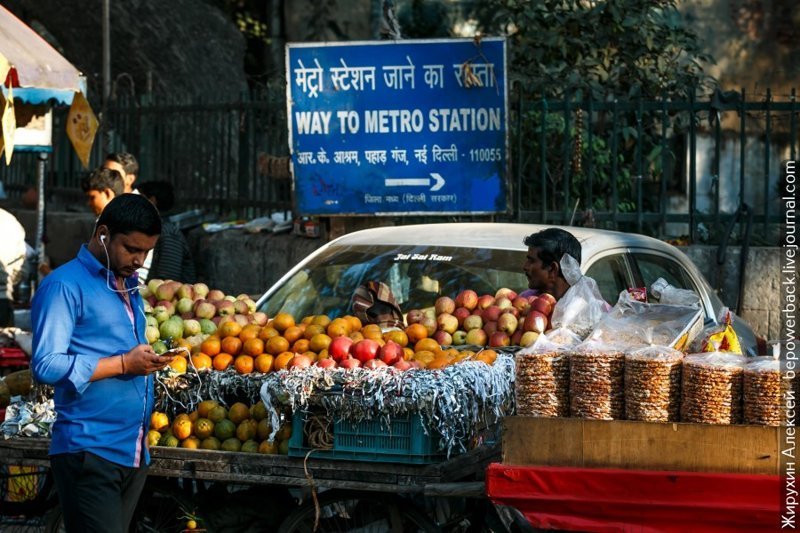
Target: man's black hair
x=103 y=178
x=553 y=243
x=127 y=162
x=162 y=191
x=127 y=213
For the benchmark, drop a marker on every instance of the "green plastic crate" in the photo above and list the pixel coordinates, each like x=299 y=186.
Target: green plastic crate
x=404 y=441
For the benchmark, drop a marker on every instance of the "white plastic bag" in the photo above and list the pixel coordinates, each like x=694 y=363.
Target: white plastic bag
x=582 y=306
x=669 y=294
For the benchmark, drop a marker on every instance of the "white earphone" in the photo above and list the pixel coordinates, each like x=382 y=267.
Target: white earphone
x=108 y=270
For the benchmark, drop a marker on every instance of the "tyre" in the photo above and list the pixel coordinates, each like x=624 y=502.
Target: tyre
x=363 y=512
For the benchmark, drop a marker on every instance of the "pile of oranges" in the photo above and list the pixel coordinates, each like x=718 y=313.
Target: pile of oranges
x=272 y=347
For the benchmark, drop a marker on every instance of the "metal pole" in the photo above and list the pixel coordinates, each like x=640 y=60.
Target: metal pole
x=40 y=214
x=106 y=71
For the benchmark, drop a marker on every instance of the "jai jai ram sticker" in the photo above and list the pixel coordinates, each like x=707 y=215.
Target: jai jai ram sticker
x=398 y=127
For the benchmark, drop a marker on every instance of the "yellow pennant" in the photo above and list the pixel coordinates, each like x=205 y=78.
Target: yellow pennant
x=81 y=127
x=9 y=122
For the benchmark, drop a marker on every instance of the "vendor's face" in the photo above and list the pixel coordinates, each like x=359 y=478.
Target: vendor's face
x=97 y=200
x=126 y=252
x=539 y=275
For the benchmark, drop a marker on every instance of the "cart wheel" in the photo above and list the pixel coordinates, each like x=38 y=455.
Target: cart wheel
x=161 y=509
x=364 y=512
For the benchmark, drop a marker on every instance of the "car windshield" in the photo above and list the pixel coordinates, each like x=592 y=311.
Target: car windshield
x=417 y=275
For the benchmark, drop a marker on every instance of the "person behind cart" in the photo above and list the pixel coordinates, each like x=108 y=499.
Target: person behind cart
x=89 y=343
x=543 y=261
x=100 y=187
x=12 y=263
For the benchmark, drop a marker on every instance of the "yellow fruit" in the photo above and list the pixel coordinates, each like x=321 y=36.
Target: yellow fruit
x=282 y=321
x=203 y=428
x=191 y=443
x=169 y=440
x=159 y=421
x=268 y=447
x=263 y=429
x=211 y=443
x=258 y=411
x=231 y=445
x=238 y=413
x=249 y=446
x=191 y=524
x=153 y=437
x=284 y=432
x=246 y=430
x=263 y=363
x=217 y=414
x=182 y=427
x=205 y=407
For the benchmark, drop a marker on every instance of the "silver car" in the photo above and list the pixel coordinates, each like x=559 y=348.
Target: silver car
x=422 y=262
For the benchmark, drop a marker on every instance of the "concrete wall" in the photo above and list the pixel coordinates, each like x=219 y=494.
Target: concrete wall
x=237 y=262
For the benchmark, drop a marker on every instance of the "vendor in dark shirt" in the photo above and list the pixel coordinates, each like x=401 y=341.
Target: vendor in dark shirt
x=542 y=263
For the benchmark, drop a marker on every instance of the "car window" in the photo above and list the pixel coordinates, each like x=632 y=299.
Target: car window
x=610 y=273
x=417 y=276
x=653 y=266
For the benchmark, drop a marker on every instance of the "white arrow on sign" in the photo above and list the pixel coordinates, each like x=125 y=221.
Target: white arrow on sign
x=438 y=182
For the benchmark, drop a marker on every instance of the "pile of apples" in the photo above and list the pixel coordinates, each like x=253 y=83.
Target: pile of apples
x=503 y=319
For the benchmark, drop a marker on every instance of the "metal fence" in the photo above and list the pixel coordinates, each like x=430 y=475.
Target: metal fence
x=660 y=167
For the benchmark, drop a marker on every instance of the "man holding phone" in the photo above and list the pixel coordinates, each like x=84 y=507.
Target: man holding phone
x=89 y=343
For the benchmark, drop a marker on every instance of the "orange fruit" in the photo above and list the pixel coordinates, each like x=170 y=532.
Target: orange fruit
x=231 y=328
x=321 y=320
x=178 y=364
x=276 y=345
x=416 y=332
x=253 y=347
x=339 y=327
x=372 y=331
x=205 y=407
x=201 y=361
x=319 y=342
x=292 y=333
x=222 y=361
x=191 y=443
x=238 y=413
x=282 y=360
x=203 y=428
x=159 y=421
x=354 y=322
x=408 y=353
x=486 y=356
x=250 y=331
x=438 y=363
x=184 y=344
x=282 y=321
x=356 y=336
x=300 y=346
x=313 y=329
x=424 y=356
x=263 y=363
x=323 y=354
x=243 y=364
x=396 y=335
x=307 y=319
x=231 y=345
x=311 y=355
x=211 y=346
x=267 y=332
x=427 y=344
x=182 y=428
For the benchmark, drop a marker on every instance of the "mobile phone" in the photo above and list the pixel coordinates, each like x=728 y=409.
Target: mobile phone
x=173 y=352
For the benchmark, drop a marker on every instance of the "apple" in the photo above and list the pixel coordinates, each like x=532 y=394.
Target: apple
x=241 y=319
x=402 y=365
x=191 y=327
x=259 y=317
x=364 y=350
x=477 y=337
x=152 y=300
x=444 y=304
x=499 y=338
x=168 y=305
x=507 y=323
x=510 y=311
x=443 y=338
x=326 y=363
x=241 y=307
x=491 y=313
x=204 y=309
x=230 y=298
x=550 y=298
x=349 y=363
x=430 y=312
x=490 y=328
x=390 y=353
x=461 y=313
x=299 y=361
x=160 y=313
x=186 y=290
x=152 y=284
x=485 y=301
x=535 y=321
x=185 y=305
x=505 y=292
x=543 y=306
x=473 y=322
x=251 y=305
x=145 y=291
x=516 y=337
x=521 y=304
x=447 y=322
x=152 y=334
x=339 y=348
x=460 y=337
x=503 y=302
x=373 y=364
x=167 y=290
x=528 y=338
x=215 y=295
x=148 y=308
x=467 y=299
x=430 y=324
x=224 y=307
x=414 y=316
x=200 y=290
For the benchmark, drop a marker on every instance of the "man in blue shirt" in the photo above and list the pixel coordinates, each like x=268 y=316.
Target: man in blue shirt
x=89 y=343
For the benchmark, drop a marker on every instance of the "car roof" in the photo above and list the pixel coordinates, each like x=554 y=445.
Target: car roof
x=497 y=235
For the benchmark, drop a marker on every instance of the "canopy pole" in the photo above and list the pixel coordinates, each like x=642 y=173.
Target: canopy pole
x=106 y=72
x=41 y=215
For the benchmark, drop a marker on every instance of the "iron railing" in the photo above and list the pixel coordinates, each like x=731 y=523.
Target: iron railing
x=661 y=167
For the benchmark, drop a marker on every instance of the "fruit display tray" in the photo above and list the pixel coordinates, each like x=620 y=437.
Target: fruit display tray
x=403 y=441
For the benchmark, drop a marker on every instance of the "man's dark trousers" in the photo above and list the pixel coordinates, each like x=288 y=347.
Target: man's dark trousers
x=96 y=495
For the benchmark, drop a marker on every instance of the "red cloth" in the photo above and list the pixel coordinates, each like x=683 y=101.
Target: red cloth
x=604 y=500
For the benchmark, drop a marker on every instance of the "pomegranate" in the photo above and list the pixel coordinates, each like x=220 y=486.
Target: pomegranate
x=349 y=363
x=364 y=350
x=390 y=353
x=339 y=348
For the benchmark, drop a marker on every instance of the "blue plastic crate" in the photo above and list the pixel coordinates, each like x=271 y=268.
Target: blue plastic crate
x=404 y=441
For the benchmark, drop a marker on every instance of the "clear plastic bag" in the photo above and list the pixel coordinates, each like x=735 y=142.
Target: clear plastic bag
x=712 y=388
x=764 y=389
x=596 y=376
x=542 y=379
x=582 y=305
x=653 y=384
x=671 y=295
